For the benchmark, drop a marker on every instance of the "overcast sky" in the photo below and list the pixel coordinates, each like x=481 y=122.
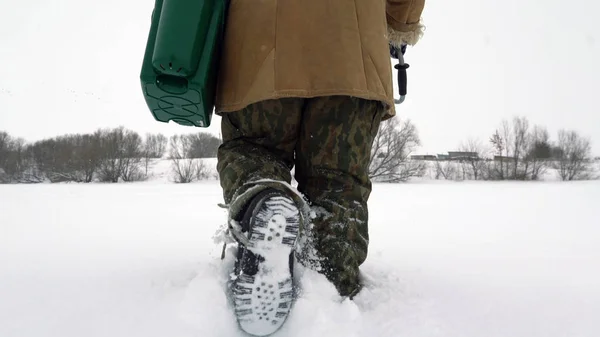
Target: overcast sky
x=71 y=66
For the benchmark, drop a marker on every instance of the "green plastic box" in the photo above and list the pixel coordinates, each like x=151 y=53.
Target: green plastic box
x=179 y=73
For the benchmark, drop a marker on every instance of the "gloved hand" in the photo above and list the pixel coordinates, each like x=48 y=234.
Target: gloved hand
x=395 y=52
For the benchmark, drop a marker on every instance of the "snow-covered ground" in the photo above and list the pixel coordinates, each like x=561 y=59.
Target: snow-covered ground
x=446 y=259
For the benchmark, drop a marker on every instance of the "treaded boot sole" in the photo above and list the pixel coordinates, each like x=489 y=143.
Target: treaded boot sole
x=263 y=301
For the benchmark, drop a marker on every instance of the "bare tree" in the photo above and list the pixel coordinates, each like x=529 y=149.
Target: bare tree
x=520 y=140
x=185 y=170
x=5 y=141
x=5 y=150
x=390 y=152
x=499 y=144
x=574 y=156
x=202 y=170
x=132 y=157
x=203 y=145
x=510 y=146
x=110 y=167
x=446 y=170
x=121 y=155
x=13 y=159
x=507 y=135
x=154 y=147
x=538 y=152
x=476 y=164
x=53 y=158
x=31 y=174
x=90 y=155
x=67 y=158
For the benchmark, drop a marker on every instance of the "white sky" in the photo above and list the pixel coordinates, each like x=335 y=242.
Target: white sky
x=73 y=66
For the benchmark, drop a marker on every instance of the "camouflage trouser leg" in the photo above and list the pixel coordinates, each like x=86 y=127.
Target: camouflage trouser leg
x=333 y=154
x=258 y=144
x=331 y=138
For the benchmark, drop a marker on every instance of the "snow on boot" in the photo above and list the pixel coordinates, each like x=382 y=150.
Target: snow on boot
x=262 y=287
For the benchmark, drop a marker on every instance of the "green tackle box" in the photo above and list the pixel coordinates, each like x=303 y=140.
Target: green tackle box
x=180 y=67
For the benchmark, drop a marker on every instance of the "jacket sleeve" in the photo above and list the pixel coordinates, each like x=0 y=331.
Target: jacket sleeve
x=404 y=21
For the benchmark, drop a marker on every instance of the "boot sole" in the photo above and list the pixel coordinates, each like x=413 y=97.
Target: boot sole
x=263 y=301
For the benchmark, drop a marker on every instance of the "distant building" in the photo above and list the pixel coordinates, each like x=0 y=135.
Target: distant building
x=503 y=158
x=462 y=155
x=452 y=155
x=423 y=157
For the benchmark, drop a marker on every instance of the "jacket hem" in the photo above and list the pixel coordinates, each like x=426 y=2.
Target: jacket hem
x=236 y=106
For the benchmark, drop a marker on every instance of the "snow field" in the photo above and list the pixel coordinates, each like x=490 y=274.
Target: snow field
x=446 y=259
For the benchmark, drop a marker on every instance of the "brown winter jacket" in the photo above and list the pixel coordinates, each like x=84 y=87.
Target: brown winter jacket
x=310 y=48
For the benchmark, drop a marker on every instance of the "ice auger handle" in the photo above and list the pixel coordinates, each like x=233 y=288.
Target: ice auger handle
x=401 y=68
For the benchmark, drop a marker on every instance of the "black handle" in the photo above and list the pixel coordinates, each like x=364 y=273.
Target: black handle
x=402 y=78
x=398 y=53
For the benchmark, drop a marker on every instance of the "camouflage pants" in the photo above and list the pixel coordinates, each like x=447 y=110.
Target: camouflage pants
x=328 y=140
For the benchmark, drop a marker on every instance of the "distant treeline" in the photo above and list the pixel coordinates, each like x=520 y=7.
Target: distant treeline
x=517 y=151
x=514 y=151
x=107 y=155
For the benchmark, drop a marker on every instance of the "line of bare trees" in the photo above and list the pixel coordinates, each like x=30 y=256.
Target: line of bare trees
x=112 y=155
x=515 y=151
x=519 y=151
x=186 y=152
x=107 y=155
x=390 y=153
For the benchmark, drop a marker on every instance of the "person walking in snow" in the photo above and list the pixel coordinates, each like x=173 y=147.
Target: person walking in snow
x=304 y=84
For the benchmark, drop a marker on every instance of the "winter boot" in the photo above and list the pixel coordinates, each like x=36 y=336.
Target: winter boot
x=262 y=287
